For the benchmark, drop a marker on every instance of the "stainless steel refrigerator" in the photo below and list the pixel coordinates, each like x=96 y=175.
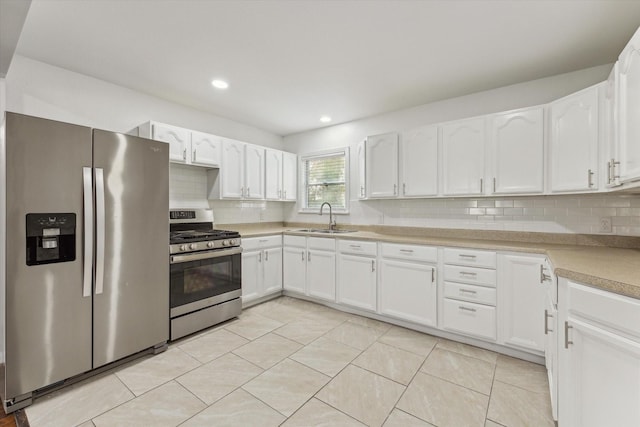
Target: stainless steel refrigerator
x=86 y=278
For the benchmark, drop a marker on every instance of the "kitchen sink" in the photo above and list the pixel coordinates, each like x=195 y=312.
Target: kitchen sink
x=324 y=230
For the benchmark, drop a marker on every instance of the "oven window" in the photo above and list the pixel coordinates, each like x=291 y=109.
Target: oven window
x=195 y=280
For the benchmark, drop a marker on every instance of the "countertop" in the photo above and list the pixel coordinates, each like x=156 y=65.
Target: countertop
x=609 y=268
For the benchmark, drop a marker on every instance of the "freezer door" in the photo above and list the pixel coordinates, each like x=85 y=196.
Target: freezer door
x=131 y=301
x=48 y=321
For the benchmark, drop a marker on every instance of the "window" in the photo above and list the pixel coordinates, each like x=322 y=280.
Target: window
x=325 y=179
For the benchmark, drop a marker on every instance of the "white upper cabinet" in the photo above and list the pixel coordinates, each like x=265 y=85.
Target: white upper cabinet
x=419 y=162
x=232 y=172
x=185 y=146
x=610 y=159
x=574 y=142
x=362 y=168
x=289 y=176
x=517 y=152
x=206 y=149
x=273 y=176
x=254 y=171
x=381 y=157
x=463 y=157
x=629 y=110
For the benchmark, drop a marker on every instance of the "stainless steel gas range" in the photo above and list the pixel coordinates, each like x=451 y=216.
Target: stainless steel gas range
x=206 y=268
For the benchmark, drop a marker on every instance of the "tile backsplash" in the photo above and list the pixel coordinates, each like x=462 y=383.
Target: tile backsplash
x=552 y=214
x=188 y=189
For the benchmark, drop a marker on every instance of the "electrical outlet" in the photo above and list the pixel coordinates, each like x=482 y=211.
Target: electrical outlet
x=605 y=224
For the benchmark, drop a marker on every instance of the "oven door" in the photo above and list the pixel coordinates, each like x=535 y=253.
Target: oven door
x=202 y=279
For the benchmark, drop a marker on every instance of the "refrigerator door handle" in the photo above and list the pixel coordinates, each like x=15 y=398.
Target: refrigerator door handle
x=100 y=232
x=87 y=270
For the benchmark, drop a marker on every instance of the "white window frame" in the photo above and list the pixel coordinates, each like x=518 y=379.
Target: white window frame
x=303 y=179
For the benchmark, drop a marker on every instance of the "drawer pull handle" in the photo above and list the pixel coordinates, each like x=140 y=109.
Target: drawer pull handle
x=355 y=246
x=408 y=251
x=566 y=334
x=467 y=256
x=373 y=265
x=469 y=291
x=468 y=273
x=546 y=322
x=433 y=275
x=463 y=308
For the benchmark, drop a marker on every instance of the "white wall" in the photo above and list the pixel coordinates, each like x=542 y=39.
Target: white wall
x=563 y=214
x=42 y=90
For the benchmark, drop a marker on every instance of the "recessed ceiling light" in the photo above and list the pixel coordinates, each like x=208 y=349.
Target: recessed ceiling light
x=220 y=84
x=325 y=119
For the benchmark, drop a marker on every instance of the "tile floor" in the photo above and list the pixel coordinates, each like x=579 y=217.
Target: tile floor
x=294 y=363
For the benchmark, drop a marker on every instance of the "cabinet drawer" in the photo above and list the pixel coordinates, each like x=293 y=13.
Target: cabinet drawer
x=471 y=293
x=612 y=310
x=412 y=252
x=323 y=243
x=252 y=243
x=475 y=276
x=299 y=241
x=357 y=247
x=469 y=318
x=470 y=257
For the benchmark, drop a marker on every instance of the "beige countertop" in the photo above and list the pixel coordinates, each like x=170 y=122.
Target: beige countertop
x=608 y=268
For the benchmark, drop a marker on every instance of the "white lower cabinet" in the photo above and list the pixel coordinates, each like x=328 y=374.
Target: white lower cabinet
x=261 y=267
x=599 y=357
x=521 y=294
x=310 y=266
x=356 y=284
x=408 y=288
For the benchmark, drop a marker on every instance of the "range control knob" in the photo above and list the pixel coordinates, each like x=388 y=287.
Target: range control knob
x=183 y=247
x=232 y=242
x=193 y=246
x=210 y=244
x=225 y=243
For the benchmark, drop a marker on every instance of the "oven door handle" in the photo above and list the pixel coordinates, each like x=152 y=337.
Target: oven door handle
x=175 y=259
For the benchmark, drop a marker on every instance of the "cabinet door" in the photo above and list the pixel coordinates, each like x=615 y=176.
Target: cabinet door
x=362 y=178
x=357 y=281
x=408 y=291
x=251 y=275
x=381 y=153
x=179 y=140
x=273 y=175
x=599 y=378
x=419 y=162
x=521 y=302
x=254 y=172
x=272 y=265
x=629 y=110
x=232 y=169
x=463 y=157
x=551 y=351
x=206 y=150
x=294 y=261
x=517 y=139
x=289 y=176
x=574 y=142
x=321 y=274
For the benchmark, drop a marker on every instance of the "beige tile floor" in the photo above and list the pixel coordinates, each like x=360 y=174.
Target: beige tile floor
x=294 y=363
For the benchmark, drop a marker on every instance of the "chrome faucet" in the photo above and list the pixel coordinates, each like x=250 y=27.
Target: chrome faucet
x=332 y=222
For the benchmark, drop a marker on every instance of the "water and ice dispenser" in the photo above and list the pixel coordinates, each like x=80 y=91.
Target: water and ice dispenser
x=51 y=237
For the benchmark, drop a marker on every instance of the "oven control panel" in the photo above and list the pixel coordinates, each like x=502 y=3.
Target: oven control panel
x=203 y=246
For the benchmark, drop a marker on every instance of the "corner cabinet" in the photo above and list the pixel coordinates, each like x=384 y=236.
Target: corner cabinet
x=599 y=357
x=521 y=299
x=517 y=152
x=463 y=157
x=629 y=110
x=573 y=142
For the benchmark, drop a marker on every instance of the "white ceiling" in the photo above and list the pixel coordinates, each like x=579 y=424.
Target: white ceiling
x=289 y=62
